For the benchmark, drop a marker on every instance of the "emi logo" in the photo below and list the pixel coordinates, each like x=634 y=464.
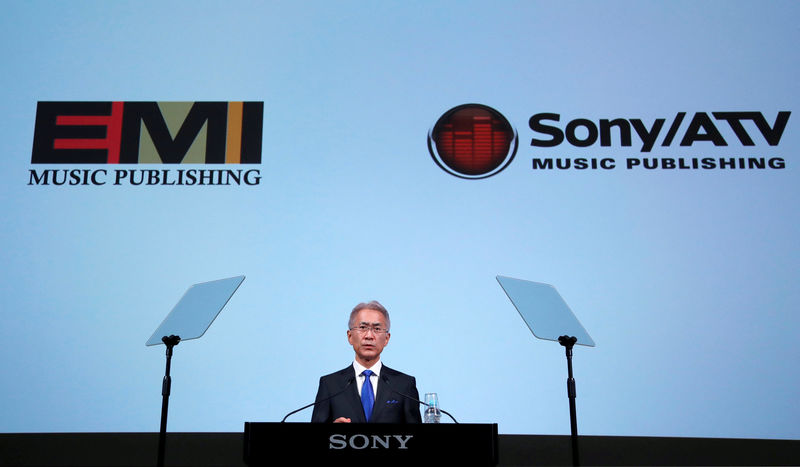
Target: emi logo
x=148 y=133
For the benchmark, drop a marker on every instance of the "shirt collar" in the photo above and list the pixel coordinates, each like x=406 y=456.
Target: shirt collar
x=376 y=368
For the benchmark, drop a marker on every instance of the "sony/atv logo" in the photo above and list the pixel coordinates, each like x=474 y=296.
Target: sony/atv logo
x=341 y=441
x=148 y=133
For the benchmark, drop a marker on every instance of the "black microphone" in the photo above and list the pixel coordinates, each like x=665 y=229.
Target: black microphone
x=386 y=380
x=349 y=382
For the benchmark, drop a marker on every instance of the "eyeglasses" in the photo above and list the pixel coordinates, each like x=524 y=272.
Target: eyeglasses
x=364 y=328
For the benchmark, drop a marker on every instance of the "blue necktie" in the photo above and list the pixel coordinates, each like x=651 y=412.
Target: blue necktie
x=367 y=394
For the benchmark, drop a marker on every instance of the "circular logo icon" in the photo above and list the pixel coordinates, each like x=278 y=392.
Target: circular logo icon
x=472 y=141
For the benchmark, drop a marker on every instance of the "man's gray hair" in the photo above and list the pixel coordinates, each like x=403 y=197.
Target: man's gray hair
x=371 y=305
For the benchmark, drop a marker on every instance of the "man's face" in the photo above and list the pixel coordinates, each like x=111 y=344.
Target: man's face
x=368 y=345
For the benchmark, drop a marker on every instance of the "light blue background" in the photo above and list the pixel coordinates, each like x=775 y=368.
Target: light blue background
x=685 y=279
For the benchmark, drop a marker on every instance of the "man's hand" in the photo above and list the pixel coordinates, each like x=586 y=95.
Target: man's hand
x=342 y=420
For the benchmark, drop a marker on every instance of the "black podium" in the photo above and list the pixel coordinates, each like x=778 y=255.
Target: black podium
x=386 y=444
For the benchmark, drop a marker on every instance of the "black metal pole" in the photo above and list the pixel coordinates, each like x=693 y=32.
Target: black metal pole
x=569 y=342
x=170 y=342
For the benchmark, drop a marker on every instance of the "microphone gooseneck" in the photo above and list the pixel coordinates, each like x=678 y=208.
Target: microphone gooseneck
x=385 y=379
x=349 y=382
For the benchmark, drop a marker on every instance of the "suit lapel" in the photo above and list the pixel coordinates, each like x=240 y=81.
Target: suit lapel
x=380 y=401
x=353 y=398
x=383 y=393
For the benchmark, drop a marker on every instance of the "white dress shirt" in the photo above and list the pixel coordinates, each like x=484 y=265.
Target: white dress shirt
x=376 y=372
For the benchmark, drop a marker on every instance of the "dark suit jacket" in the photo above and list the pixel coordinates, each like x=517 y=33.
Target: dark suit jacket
x=390 y=407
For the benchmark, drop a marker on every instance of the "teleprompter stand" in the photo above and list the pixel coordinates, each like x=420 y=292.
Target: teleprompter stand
x=189 y=319
x=568 y=342
x=548 y=317
x=170 y=342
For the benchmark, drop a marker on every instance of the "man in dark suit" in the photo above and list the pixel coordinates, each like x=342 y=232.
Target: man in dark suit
x=367 y=391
